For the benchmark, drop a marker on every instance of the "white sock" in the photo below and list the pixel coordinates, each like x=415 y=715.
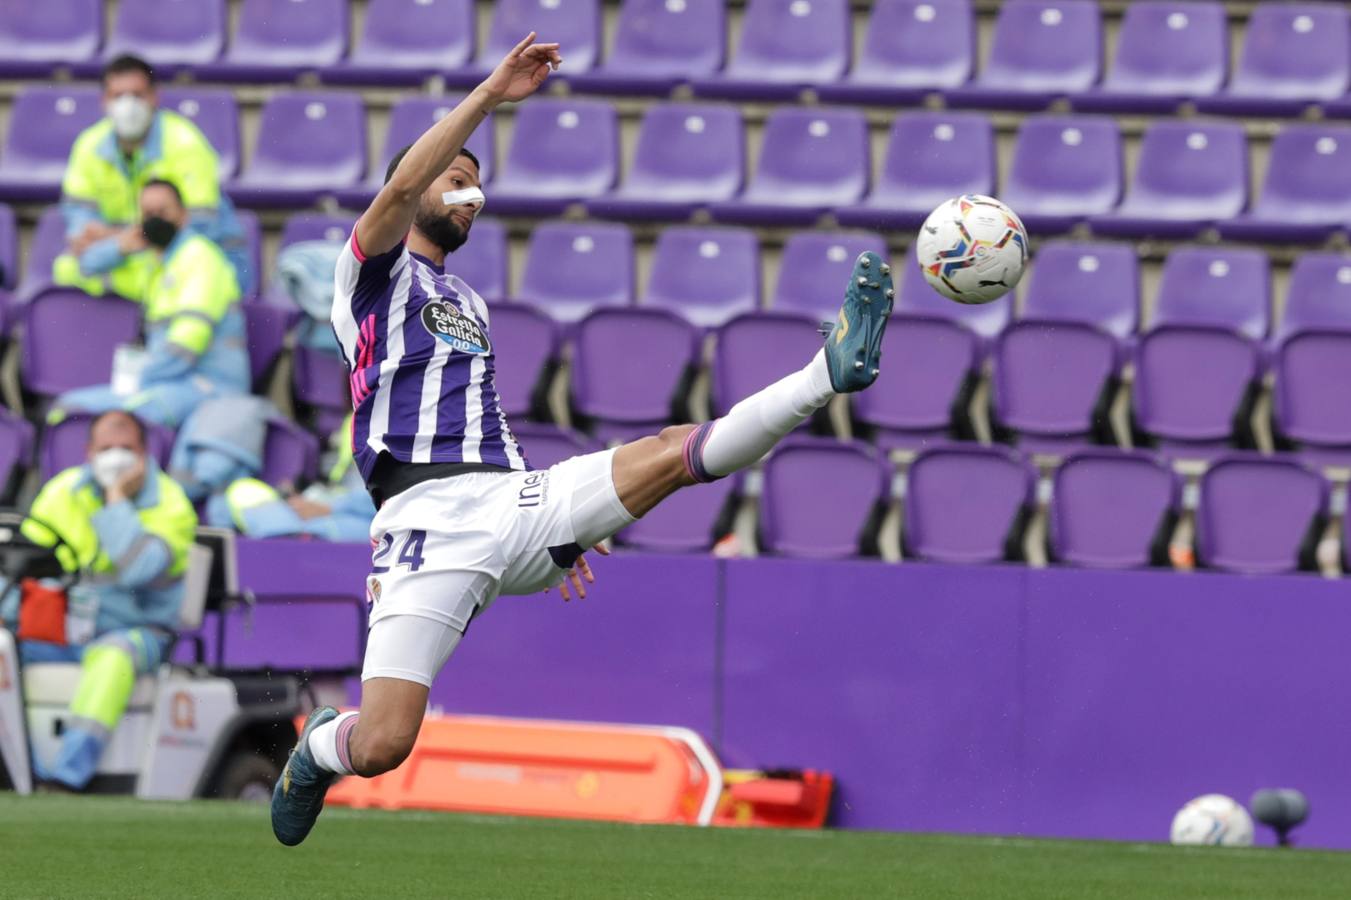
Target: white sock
x=752 y=427
x=328 y=743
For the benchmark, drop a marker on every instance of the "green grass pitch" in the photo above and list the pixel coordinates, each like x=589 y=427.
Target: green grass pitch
x=57 y=846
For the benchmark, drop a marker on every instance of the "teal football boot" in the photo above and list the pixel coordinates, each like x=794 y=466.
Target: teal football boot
x=298 y=797
x=854 y=341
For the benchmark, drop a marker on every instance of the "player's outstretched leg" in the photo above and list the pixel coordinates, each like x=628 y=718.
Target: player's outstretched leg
x=648 y=470
x=298 y=797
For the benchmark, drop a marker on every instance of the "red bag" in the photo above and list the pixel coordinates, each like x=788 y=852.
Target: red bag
x=42 y=612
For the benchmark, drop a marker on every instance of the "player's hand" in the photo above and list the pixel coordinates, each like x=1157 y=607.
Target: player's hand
x=580 y=576
x=522 y=71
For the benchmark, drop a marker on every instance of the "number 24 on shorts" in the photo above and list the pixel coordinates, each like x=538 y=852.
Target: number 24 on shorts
x=410 y=552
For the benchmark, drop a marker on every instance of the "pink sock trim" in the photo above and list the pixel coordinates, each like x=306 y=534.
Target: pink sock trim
x=344 y=735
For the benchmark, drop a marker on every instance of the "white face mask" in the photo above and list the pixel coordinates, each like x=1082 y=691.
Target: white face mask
x=111 y=464
x=465 y=197
x=130 y=116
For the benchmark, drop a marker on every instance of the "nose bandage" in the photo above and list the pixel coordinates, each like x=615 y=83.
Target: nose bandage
x=464 y=197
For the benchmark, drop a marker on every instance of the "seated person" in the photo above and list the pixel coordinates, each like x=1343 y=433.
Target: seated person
x=127 y=528
x=337 y=510
x=112 y=160
x=195 y=339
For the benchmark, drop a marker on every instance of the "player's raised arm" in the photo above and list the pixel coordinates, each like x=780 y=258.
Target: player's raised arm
x=391 y=213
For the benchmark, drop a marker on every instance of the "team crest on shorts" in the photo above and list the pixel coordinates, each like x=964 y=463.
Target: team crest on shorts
x=446 y=323
x=372 y=590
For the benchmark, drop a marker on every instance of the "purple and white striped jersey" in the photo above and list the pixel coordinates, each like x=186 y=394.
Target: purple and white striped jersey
x=415 y=341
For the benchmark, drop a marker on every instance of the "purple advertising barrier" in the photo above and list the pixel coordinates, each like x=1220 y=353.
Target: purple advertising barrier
x=900 y=680
x=639 y=649
x=1145 y=689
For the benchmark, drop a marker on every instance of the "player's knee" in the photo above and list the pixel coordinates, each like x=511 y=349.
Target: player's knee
x=376 y=754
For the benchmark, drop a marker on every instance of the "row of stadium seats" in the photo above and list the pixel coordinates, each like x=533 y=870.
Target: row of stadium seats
x=708 y=274
x=971 y=504
x=1295 y=54
x=1064 y=170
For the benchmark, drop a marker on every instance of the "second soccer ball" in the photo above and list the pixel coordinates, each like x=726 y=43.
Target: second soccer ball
x=972 y=249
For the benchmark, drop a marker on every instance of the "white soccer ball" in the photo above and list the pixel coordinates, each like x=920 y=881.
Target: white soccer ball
x=1213 y=819
x=972 y=249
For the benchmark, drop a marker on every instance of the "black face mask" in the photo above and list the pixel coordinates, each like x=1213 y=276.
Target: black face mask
x=159 y=232
x=441 y=231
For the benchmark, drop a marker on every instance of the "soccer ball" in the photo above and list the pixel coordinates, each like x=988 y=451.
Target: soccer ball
x=972 y=249
x=1213 y=819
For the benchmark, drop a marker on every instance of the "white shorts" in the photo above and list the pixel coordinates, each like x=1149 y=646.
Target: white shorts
x=443 y=550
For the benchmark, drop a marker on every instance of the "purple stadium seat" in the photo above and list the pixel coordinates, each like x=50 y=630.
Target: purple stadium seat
x=64 y=444
x=216 y=114
x=253 y=246
x=1091 y=283
x=35 y=38
x=16 y=451
x=785 y=45
x=1112 y=509
x=1259 y=515
x=756 y=349
x=319 y=384
x=575 y=24
x=574 y=267
x=525 y=348
x=9 y=249
x=1194 y=386
x=911 y=47
x=1053 y=384
x=706 y=275
x=931 y=157
x=562 y=151
x=1311 y=409
x=43 y=123
x=916 y=297
x=309 y=146
x=408 y=119
x=966 y=504
x=265 y=328
x=48 y=242
x=1166 y=52
x=926 y=384
x=688 y=521
x=1319 y=294
x=290 y=454
x=1189 y=174
x=169 y=33
x=59 y=320
x=815 y=269
x=798 y=519
x=482 y=262
x=659 y=44
x=277 y=41
x=545 y=445
x=1294 y=55
x=404 y=41
x=312 y=226
x=812 y=159
x=1307 y=194
x=1065 y=169
x=627 y=368
x=1224 y=288
x=1042 y=49
x=688 y=155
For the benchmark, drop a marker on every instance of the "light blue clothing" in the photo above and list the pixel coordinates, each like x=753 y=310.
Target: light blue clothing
x=348 y=521
x=220 y=223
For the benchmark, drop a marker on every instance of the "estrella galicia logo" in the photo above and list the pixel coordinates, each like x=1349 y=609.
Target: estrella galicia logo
x=448 y=324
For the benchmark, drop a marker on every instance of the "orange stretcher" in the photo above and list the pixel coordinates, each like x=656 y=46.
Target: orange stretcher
x=545 y=768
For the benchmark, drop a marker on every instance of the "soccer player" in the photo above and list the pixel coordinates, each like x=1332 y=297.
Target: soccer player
x=461 y=517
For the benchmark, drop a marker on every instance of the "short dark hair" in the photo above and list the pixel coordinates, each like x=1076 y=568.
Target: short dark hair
x=164 y=182
x=129 y=416
x=398 y=158
x=126 y=62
